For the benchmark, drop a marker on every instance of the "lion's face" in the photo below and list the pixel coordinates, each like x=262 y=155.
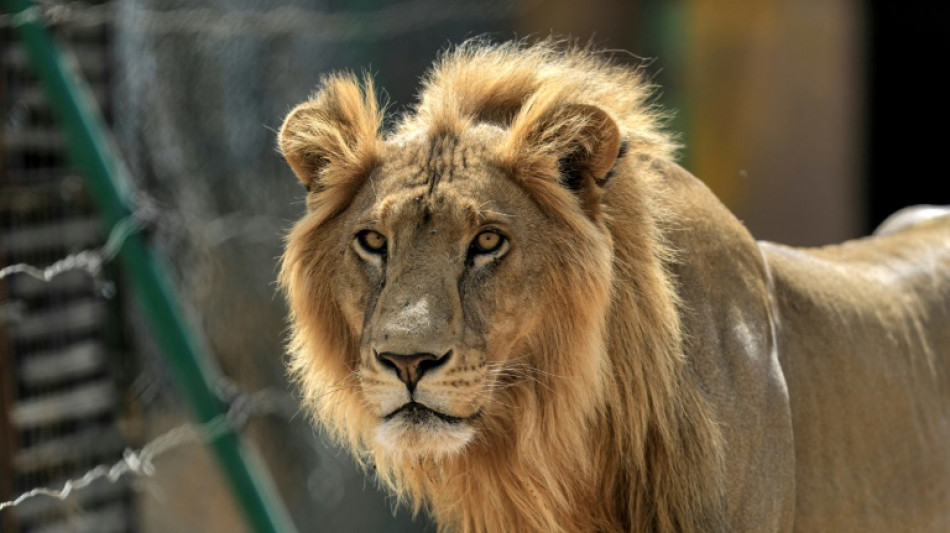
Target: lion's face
x=432 y=282
x=441 y=293
x=441 y=267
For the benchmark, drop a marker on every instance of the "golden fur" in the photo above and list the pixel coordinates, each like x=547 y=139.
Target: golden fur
x=613 y=365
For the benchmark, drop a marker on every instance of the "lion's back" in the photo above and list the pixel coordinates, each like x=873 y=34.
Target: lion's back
x=913 y=216
x=864 y=343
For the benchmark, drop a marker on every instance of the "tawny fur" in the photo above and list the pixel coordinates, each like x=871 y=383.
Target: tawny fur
x=595 y=417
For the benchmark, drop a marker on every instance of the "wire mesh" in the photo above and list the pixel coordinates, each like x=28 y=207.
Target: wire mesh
x=60 y=367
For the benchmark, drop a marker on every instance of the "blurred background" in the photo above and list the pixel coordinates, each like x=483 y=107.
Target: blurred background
x=811 y=119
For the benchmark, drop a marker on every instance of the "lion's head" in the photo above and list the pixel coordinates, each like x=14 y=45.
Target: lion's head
x=453 y=282
x=442 y=271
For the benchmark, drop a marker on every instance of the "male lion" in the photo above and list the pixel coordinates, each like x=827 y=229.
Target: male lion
x=528 y=318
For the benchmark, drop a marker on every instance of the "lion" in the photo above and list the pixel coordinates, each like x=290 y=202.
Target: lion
x=525 y=316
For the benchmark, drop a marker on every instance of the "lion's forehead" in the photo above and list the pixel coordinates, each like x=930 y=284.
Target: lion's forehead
x=445 y=180
x=452 y=211
x=425 y=160
x=442 y=160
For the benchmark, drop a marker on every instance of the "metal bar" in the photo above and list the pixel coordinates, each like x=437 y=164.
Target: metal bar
x=109 y=184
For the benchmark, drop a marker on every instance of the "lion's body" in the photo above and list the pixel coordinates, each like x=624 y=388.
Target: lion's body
x=864 y=346
x=530 y=319
x=841 y=420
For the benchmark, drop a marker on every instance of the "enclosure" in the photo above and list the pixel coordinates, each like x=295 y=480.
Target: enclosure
x=141 y=359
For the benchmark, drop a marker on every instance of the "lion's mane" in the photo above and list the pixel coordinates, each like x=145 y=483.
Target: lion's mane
x=644 y=454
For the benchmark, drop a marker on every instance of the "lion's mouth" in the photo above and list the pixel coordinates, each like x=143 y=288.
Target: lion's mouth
x=415 y=412
x=416 y=430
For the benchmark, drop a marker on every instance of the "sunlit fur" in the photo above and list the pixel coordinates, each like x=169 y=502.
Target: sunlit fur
x=631 y=359
x=592 y=422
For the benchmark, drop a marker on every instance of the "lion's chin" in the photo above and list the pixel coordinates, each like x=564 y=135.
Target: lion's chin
x=409 y=436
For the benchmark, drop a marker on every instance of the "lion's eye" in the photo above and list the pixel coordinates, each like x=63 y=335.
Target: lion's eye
x=372 y=241
x=487 y=242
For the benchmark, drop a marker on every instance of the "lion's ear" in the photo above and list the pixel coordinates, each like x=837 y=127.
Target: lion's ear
x=333 y=136
x=582 y=139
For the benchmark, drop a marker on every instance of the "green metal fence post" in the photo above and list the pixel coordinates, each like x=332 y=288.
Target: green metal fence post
x=109 y=183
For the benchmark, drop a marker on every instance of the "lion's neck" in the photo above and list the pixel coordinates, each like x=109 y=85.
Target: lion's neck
x=598 y=482
x=636 y=464
x=511 y=488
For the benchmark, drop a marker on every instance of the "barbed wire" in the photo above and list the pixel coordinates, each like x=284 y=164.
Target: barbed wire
x=215 y=232
x=89 y=261
x=389 y=21
x=141 y=463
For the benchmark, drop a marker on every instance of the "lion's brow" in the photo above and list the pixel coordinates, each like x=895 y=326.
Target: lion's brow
x=485 y=214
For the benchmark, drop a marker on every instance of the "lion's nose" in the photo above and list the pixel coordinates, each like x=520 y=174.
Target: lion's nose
x=410 y=368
